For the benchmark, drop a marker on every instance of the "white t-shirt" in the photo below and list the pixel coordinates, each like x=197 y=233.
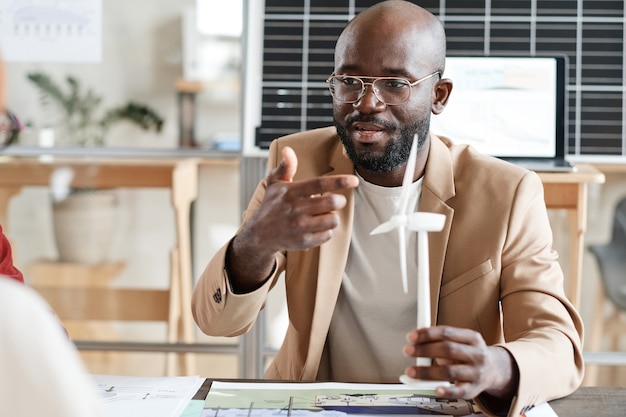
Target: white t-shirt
x=373 y=314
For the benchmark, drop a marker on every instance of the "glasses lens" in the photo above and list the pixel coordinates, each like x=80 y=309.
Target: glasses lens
x=388 y=90
x=346 y=89
x=392 y=90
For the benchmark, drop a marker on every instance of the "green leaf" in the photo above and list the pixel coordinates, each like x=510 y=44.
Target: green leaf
x=78 y=108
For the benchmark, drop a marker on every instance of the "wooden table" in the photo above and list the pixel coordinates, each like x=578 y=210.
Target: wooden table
x=592 y=401
x=568 y=191
x=584 y=402
x=180 y=175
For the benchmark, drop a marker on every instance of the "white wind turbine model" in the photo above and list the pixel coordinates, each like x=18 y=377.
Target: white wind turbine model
x=422 y=223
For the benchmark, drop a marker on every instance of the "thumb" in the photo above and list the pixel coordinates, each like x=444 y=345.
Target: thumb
x=286 y=170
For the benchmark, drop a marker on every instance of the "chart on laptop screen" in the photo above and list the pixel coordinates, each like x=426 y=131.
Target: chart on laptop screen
x=504 y=106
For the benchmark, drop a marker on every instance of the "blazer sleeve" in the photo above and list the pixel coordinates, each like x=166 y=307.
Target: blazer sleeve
x=216 y=309
x=542 y=329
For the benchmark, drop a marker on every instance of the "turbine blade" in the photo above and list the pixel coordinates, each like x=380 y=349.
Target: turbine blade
x=402 y=237
x=389 y=225
x=409 y=171
x=383 y=228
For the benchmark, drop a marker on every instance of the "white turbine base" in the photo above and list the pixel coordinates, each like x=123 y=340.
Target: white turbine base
x=422 y=384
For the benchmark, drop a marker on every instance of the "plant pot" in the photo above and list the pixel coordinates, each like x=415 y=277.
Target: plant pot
x=84 y=226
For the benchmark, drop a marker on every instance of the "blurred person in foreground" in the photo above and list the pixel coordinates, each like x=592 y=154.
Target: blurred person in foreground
x=9 y=130
x=503 y=332
x=6 y=260
x=41 y=372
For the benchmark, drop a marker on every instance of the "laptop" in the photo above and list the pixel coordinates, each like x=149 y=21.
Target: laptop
x=509 y=107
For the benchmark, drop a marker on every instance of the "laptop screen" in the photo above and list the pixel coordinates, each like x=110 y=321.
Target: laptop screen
x=506 y=106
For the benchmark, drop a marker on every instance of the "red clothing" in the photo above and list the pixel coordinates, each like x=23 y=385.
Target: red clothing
x=6 y=260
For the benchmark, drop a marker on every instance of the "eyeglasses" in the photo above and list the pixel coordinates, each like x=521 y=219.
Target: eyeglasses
x=10 y=128
x=389 y=90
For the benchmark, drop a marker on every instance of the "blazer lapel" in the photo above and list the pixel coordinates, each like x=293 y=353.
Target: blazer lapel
x=437 y=188
x=333 y=256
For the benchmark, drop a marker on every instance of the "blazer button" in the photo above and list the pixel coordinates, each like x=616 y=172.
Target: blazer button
x=217 y=296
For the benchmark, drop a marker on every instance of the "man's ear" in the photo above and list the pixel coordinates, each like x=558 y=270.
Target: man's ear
x=441 y=93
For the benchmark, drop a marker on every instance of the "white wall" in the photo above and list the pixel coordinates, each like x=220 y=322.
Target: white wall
x=142 y=59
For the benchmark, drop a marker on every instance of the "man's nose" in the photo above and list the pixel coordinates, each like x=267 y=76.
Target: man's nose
x=369 y=101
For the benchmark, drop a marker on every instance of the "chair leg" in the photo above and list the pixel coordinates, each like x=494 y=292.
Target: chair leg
x=613 y=331
x=595 y=336
x=174 y=314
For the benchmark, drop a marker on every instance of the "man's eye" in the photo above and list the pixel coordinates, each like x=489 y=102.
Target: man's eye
x=395 y=84
x=349 y=81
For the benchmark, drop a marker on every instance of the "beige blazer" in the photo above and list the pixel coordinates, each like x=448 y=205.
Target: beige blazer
x=492 y=268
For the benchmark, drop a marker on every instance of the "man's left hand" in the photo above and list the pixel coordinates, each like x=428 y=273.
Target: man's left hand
x=462 y=357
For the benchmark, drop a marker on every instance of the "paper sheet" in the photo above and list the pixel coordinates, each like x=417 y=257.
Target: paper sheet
x=51 y=30
x=134 y=396
x=541 y=410
x=327 y=400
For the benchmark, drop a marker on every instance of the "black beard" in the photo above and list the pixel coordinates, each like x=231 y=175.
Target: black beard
x=397 y=151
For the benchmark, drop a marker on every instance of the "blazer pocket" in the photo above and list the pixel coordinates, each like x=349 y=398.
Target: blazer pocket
x=462 y=280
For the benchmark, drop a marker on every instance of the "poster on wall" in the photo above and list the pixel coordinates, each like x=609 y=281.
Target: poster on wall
x=51 y=30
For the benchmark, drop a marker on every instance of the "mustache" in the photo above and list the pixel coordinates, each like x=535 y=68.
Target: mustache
x=370 y=119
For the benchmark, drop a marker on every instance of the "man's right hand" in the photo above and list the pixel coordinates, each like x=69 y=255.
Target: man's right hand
x=292 y=216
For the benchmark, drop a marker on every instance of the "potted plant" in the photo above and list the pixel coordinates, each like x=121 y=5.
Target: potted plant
x=84 y=220
x=77 y=111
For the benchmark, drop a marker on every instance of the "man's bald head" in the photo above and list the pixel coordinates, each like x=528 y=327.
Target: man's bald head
x=395 y=19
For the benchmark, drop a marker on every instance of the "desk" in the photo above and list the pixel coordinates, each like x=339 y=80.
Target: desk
x=180 y=175
x=568 y=191
x=592 y=401
x=584 y=402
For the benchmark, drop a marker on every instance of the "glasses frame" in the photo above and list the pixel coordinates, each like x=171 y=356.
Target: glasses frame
x=362 y=78
x=12 y=130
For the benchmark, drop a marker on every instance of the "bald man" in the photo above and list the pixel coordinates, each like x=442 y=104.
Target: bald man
x=503 y=332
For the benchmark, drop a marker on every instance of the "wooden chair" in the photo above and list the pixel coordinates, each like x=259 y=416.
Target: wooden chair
x=86 y=302
x=609 y=318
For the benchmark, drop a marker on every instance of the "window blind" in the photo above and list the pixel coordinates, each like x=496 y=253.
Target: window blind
x=299 y=39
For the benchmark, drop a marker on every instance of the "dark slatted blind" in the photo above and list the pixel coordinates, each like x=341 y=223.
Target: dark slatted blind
x=299 y=37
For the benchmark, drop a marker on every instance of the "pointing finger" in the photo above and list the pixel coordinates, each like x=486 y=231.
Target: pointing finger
x=286 y=170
